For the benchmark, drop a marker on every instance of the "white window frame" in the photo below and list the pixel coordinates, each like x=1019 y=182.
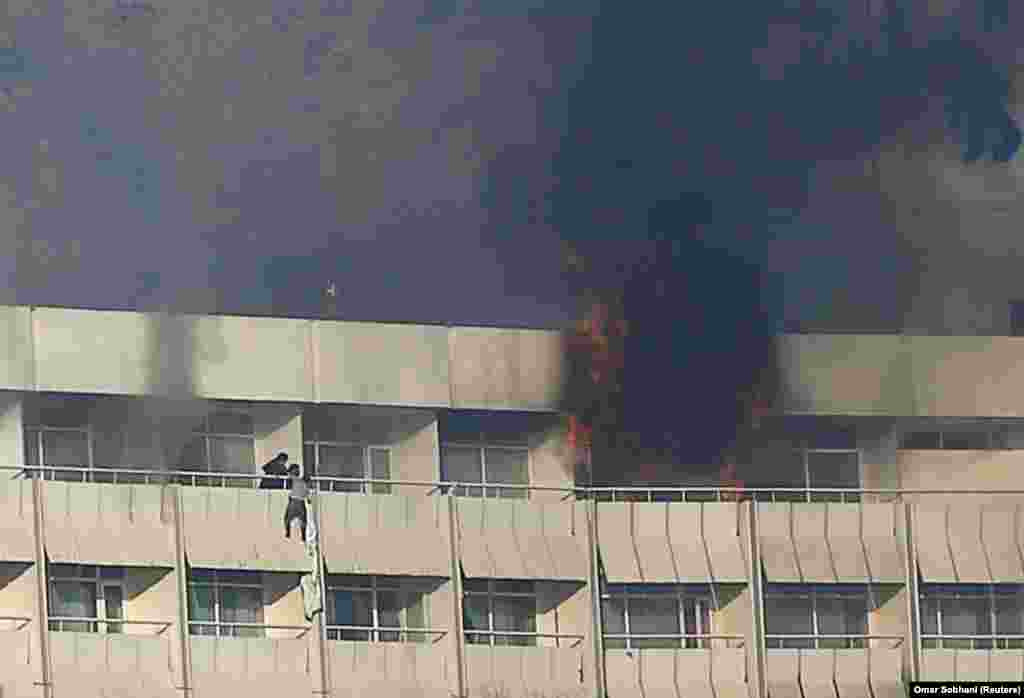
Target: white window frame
x=981 y=641
x=814 y=593
x=484 y=485
x=703 y=604
x=205 y=433
x=991 y=430
x=404 y=588
x=367 y=451
x=108 y=625
x=88 y=470
x=491 y=632
x=218 y=586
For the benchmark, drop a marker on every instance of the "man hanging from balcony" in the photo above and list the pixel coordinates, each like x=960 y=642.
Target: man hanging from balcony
x=296 y=501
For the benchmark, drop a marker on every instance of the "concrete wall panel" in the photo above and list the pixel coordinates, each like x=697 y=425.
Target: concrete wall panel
x=972 y=665
x=251 y=666
x=20 y=671
x=964 y=531
x=17 y=360
x=501 y=369
x=783 y=668
x=399 y=670
x=729 y=673
x=253 y=358
x=878 y=529
x=686 y=542
x=886 y=673
x=844 y=540
x=817 y=673
x=658 y=672
x=622 y=673
x=967 y=375
x=385 y=534
x=777 y=551
x=115 y=347
x=650 y=536
x=523 y=670
x=845 y=374
x=91 y=665
x=17 y=512
x=938 y=665
x=721 y=526
x=373 y=363
x=83 y=518
x=693 y=673
x=1000 y=535
x=1006 y=665
x=932 y=542
x=812 y=549
x=852 y=677
x=614 y=535
x=250 y=530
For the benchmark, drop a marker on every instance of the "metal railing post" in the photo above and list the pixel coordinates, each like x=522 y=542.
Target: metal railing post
x=757 y=603
x=181 y=577
x=456 y=565
x=600 y=686
x=42 y=590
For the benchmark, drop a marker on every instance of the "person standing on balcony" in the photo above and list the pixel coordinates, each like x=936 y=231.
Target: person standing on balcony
x=296 y=501
x=276 y=470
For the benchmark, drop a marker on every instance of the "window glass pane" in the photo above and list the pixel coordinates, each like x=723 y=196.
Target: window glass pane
x=834 y=469
x=114 y=601
x=1009 y=610
x=31 y=447
x=787 y=471
x=64 y=570
x=654 y=617
x=234 y=455
x=789 y=615
x=193 y=455
x=108 y=572
x=475 y=585
x=475 y=616
x=462 y=464
x=516 y=614
x=507 y=466
x=389 y=614
x=73 y=599
x=966 y=616
x=380 y=469
x=65 y=448
x=920 y=440
x=965 y=440
x=841 y=615
x=344 y=462
x=353 y=608
x=242 y=605
x=613 y=615
x=349 y=580
x=230 y=423
x=66 y=412
x=929 y=622
x=240 y=577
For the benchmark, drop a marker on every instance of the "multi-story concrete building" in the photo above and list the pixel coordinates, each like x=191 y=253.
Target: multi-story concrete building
x=454 y=554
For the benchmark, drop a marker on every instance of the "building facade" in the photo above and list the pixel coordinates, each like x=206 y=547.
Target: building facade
x=142 y=555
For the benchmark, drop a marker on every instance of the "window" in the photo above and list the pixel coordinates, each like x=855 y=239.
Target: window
x=493 y=607
x=967 y=616
x=349 y=460
x=1016 y=318
x=629 y=612
x=60 y=436
x=225 y=603
x=82 y=597
x=814 y=468
x=812 y=613
x=223 y=443
x=488 y=465
x=387 y=607
x=987 y=437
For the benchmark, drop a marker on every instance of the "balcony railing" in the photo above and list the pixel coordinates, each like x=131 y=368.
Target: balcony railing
x=973 y=642
x=637 y=494
x=676 y=640
x=830 y=642
x=102 y=625
x=381 y=634
x=523 y=635
x=224 y=629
